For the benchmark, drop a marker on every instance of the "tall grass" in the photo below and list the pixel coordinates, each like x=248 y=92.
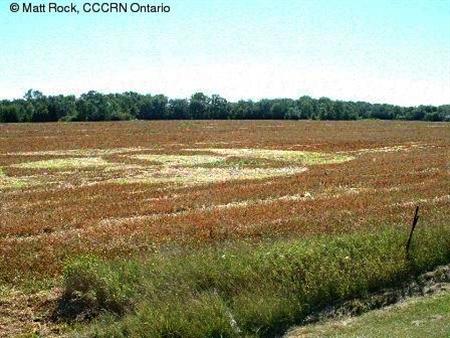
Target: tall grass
x=243 y=291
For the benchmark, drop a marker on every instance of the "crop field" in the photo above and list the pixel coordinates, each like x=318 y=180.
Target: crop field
x=133 y=192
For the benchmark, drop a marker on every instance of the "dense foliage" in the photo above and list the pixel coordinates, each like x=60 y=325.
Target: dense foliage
x=242 y=291
x=94 y=106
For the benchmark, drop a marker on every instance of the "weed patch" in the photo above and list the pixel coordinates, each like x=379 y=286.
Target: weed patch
x=244 y=291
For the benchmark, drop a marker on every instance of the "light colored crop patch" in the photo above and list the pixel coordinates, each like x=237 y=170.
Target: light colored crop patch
x=237 y=162
x=195 y=176
x=7 y=182
x=179 y=160
x=64 y=163
x=224 y=165
x=419 y=201
x=290 y=156
x=391 y=149
x=184 y=169
x=78 y=152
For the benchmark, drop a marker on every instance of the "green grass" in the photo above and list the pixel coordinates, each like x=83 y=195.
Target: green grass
x=416 y=318
x=242 y=290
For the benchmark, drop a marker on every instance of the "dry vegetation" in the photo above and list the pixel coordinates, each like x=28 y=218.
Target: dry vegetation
x=128 y=189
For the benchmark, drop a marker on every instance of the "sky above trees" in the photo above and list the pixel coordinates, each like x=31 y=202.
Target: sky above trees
x=377 y=51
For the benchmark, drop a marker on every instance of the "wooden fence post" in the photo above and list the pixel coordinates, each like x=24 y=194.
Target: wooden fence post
x=413 y=226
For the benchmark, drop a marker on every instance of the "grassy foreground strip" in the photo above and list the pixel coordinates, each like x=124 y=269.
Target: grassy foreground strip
x=242 y=291
x=418 y=317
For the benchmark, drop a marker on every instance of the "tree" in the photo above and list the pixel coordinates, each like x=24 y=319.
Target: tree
x=293 y=113
x=94 y=106
x=278 y=110
x=129 y=103
x=306 y=107
x=199 y=106
x=153 y=107
x=242 y=110
x=9 y=113
x=178 y=109
x=61 y=107
x=38 y=106
x=263 y=108
x=31 y=95
x=219 y=108
x=325 y=109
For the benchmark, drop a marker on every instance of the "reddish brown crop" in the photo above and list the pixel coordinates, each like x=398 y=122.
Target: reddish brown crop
x=53 y=210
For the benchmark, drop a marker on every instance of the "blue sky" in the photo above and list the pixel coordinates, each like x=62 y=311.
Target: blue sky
x=378 y=51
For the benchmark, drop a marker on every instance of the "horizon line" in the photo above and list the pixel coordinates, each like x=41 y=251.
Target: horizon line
x=209 y=94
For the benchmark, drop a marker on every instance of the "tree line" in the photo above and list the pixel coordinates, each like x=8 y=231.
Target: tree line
x=94 y=106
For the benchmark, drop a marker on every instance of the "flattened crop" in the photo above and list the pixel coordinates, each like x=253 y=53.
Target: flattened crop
x=179 y=160
x=78 y=152
x=195 y=176
x=290 y=156
x=222 y=165
x=202 y=169
x=7 y=182
x=64 y=163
